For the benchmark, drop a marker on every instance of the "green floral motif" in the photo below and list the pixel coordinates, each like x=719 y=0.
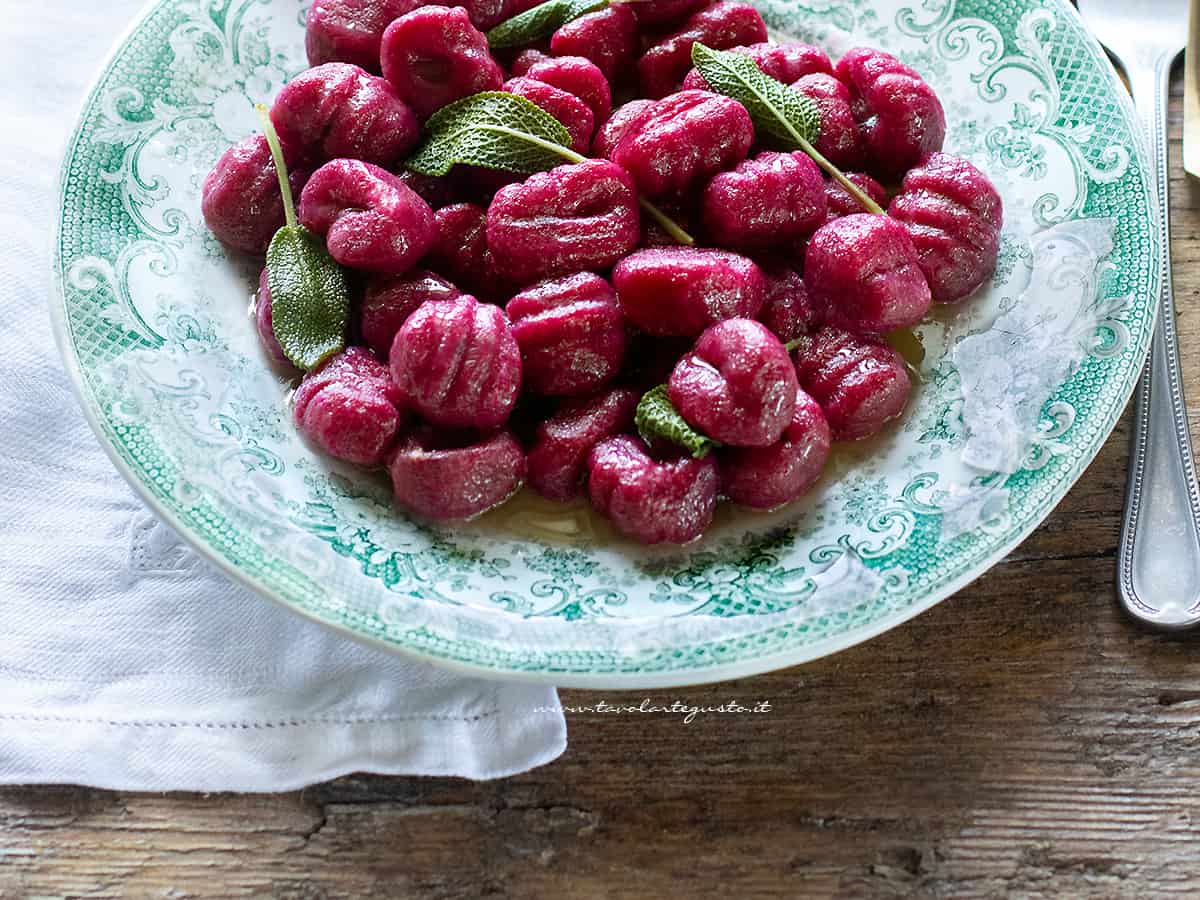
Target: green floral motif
x=871 y=26
x=1011 y=252
x=747 y=580
x=939 y=426
x=152 y=314
x=1015 y=147
x=563 y=564
x=864 y=499
x=964 y=132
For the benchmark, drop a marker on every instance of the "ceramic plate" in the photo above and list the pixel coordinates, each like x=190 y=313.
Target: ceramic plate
x=1017 y=389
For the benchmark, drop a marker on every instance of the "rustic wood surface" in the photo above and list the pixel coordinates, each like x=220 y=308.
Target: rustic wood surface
x=1021 y=739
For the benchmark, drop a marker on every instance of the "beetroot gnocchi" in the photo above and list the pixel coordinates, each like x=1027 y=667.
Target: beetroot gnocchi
x=610 y=133
x=840 y=140
x=558 y=457
x=562 y=104
x=461 y=251
x=953 y=215
x=389 y=300
x=720 y=26
x=773 y=476
x=681 y=290
x=350 y=31
x=737 y=385
x=371 y=219
x=652 y=501
x=863 y=271
x=681 y=139
x=571 y=333
x=339 y=111
x=350 y=408
x=860 y=382
x=580 y=77
x=783 y=62
x=434 y=56
x=662 y=307
x=840 y=203
x=788 y=309
x=241 y=201
x=774 y=199
x=609 y=38
x=457 y=363
x=660 y=13
x=593 y=208
x=455 y=475
x=898 y=113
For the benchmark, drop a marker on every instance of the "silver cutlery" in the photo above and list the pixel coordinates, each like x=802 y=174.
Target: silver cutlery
x=1191 y=96
x=1158 y=562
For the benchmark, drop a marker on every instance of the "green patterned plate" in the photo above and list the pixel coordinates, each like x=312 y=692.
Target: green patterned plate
x=1017 y=389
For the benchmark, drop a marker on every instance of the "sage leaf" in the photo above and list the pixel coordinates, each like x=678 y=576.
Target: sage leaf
x=310 y=296
x=310 y=299
x=657 y=418
x=502 y=131
x=495 y=130
x=785 y=117
x=539 y=22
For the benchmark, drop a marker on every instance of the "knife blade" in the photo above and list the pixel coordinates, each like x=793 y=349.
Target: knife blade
x=1191 y=94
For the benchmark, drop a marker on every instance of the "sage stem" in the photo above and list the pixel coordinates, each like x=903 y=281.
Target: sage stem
x=285 y=184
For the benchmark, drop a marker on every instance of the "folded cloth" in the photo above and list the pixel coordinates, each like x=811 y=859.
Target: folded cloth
x=126 y=661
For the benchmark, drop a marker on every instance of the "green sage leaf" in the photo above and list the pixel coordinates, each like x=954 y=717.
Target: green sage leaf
x=539 y=22
x=783 y=116
x=787 y=117
x=310 y=299
x=657 y=418
x=495 y=130
x=502 y=131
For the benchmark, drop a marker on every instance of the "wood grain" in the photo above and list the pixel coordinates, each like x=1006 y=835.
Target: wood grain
x=1021 y=739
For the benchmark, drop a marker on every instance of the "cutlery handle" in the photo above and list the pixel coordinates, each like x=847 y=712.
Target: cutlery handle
x=1158 y=568
x=1191 y=94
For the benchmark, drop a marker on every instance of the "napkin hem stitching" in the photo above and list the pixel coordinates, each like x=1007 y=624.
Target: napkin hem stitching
x=245 y=726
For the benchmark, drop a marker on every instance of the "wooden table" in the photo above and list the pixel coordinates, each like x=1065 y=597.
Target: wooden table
x=1021 y=739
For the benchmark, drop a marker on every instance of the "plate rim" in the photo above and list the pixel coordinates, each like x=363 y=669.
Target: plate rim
x=623 y=681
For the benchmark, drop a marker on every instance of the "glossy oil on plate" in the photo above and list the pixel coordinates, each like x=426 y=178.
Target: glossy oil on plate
x=1017 y=388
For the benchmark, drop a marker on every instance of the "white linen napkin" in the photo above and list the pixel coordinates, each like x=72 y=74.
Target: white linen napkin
x=126 y=661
